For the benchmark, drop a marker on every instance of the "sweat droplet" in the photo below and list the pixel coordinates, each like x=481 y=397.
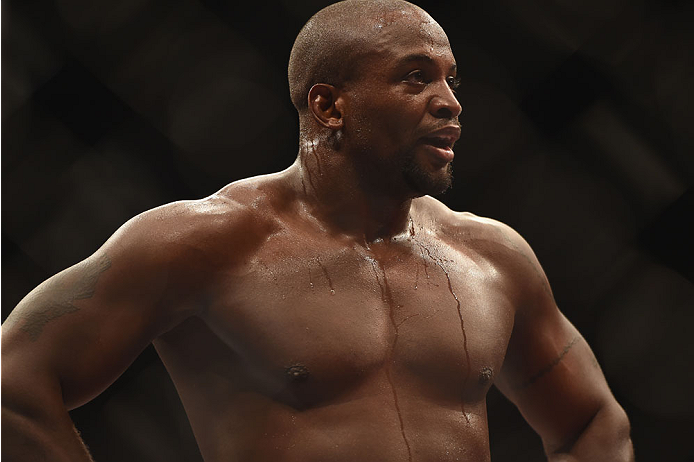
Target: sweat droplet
x=332 y=291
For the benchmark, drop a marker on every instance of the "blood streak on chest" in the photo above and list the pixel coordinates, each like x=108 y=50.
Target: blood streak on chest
x=327 y=276
x=387 y=297
x=439 y=262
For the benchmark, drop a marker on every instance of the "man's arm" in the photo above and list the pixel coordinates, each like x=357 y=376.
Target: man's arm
x=78 y=331
x=551 y=374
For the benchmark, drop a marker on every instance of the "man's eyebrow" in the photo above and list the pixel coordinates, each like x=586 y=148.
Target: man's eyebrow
x=414 y=57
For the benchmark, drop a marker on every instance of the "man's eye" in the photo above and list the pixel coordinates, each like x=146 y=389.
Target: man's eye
x=453 y=82
x=415 y=77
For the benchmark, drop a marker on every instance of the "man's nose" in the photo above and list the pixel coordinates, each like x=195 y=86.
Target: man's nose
x=444 y=104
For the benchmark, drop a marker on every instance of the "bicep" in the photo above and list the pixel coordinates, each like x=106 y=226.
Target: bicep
x=79 y=330
x=552 y=376
x=549 y=371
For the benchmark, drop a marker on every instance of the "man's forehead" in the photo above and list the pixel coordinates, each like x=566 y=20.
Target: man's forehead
x=427 y=58
x=403 y=16
x=400 y=43
x=408 y=29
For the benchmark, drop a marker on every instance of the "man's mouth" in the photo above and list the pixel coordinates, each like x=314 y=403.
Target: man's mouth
x=441 y=142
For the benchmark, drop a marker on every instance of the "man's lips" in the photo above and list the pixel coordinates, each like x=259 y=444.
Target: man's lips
x=442 y=140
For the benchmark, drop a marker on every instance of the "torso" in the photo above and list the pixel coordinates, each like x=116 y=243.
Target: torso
x=318 y=347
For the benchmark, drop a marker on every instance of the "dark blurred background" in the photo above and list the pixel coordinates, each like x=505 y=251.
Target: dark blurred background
x=577 y=131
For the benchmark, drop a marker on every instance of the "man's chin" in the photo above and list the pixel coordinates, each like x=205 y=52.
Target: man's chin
x=423 y=182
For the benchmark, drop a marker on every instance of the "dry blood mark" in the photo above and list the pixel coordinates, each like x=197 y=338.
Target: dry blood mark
x=327 y=276
x=424 y=260
x=308 y=174
x=462 y=323
x=387 y=297
x=315 y=156
x=407 y=317
x=303 y=185
x=269 y=271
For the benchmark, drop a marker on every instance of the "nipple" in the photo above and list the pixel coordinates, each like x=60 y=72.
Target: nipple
x=485 y=375
x=297 y=372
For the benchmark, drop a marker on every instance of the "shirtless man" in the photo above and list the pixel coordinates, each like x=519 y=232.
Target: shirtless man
x=329 y=312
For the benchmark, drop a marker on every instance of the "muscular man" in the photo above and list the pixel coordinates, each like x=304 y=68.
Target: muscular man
x=331 y=311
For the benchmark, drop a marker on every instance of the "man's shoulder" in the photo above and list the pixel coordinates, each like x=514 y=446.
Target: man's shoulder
x=226 y=219
x=492 y=244
x=466 y=226
x=485 y=236
x=234 y=204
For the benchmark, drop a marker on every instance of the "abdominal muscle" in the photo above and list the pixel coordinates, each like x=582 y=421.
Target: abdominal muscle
x=369 y=428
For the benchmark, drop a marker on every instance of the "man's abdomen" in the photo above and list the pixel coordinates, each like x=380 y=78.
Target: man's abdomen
x=366 y=429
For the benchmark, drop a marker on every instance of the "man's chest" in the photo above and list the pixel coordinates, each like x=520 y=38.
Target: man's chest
x=325 y=318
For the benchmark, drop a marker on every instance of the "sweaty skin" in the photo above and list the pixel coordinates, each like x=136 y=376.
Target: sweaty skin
x=331 y=311
x=324 y=344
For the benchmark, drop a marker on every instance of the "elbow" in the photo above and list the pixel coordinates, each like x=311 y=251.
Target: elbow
x=617 y=430
x=606 y=437
x=27 y=390
x=625 y=447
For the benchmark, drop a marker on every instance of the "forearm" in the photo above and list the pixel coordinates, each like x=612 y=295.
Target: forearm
x=605 y=438
x=40 y=435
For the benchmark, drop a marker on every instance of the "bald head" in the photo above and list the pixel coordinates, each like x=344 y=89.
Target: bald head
x=330 y=46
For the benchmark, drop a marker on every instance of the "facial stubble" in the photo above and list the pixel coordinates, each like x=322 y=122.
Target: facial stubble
x=425 y=182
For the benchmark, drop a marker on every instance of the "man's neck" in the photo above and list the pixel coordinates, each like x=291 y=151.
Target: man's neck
x=336 y=195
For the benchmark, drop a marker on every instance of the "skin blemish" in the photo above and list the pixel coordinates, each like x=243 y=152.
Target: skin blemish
x=269 y=271
x=327 y=276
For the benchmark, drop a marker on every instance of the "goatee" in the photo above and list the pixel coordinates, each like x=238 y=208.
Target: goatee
x=425 y=182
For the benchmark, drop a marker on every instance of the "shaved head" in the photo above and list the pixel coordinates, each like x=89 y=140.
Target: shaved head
x=372 y=81
x=329 y=47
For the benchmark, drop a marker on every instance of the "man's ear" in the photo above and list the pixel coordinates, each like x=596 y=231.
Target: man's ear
x=325 y=105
